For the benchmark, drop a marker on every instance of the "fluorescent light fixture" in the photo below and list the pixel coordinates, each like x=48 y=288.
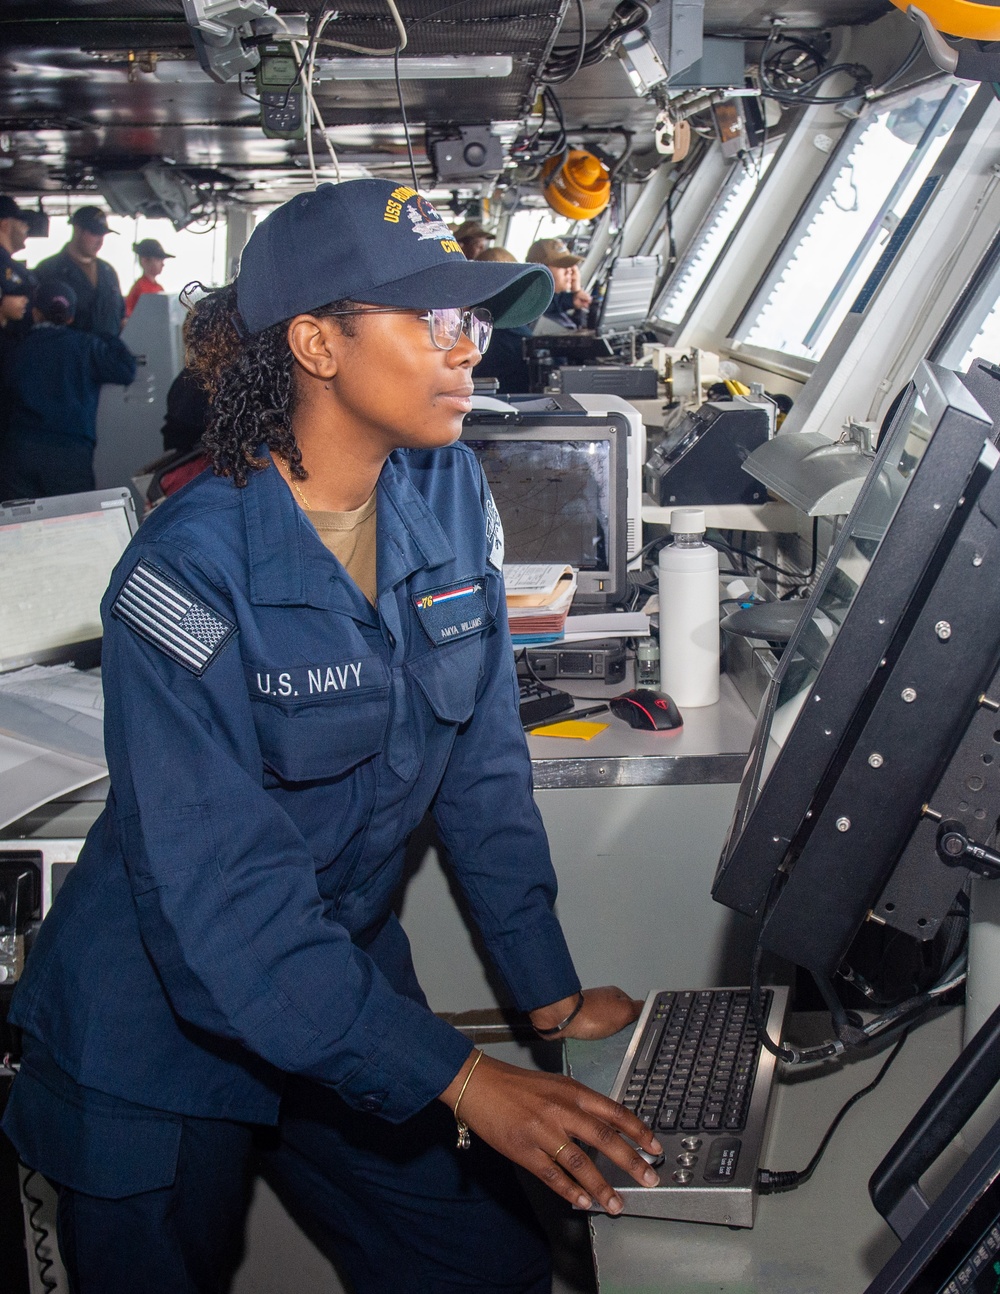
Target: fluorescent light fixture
x=444 y=67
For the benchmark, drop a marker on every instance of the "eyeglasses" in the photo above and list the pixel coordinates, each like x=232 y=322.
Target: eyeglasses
x=445 y=325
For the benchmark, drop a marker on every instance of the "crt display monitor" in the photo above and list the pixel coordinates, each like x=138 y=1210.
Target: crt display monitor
x=560 y=486
x=873 y=697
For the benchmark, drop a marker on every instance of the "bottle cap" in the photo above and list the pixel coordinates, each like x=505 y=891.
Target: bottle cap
x=687 y=521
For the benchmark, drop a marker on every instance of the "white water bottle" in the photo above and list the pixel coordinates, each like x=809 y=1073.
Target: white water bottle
x=689 y=613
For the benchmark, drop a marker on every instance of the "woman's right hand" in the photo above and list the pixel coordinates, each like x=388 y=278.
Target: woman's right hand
x=535 y=1119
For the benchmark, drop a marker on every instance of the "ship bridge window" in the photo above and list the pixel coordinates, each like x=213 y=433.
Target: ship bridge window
x=973 y=331
x=694 y=267
x=198 y=252
x=877 y=184
x=531 y=223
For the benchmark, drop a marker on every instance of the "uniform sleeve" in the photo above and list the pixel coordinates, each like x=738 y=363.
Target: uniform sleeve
x=490 y=824
x=113 y=361
x=224 y=884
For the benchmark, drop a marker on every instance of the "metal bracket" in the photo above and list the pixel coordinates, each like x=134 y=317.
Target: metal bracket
x=943 y=54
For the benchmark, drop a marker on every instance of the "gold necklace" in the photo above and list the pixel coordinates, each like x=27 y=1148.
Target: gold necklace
x=294 y=483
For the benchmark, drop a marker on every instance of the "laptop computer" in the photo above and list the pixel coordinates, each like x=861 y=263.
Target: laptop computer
x=56 y=558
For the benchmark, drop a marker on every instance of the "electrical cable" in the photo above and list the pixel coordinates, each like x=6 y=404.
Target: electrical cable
x=773 y=1183
x=560 y=79
x=41 y=1236
x=366 y=49
x=861 y=74
x=564 y=62
x=402 y=110
x=305 y=68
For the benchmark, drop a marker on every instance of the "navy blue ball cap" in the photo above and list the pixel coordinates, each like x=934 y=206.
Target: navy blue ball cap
x=379 y=243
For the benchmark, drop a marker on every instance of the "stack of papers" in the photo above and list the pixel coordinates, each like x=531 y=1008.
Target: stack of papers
x=538 y=601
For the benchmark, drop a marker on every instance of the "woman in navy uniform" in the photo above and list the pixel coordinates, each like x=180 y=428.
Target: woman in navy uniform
x=280 y=714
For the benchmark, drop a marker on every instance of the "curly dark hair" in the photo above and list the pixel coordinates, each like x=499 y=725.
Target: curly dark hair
x=250 y=380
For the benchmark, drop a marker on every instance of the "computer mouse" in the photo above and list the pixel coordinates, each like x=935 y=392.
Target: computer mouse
x=644 y=708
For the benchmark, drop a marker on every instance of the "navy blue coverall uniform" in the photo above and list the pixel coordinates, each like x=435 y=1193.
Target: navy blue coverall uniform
x=100 y=307
x=272 y=740
x=53 y=378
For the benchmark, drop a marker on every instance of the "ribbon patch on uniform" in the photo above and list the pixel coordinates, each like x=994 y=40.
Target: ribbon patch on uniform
x=172 y=619
x=453 y=612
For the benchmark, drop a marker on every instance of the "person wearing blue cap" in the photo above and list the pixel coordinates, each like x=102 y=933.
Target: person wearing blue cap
x=53 y=378
x=305 y=651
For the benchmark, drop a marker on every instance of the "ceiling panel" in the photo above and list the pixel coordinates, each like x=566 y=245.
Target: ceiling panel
x=72 y=98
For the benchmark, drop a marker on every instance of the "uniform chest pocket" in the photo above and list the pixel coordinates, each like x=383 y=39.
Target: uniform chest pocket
x=317 y=722
x=449 y=676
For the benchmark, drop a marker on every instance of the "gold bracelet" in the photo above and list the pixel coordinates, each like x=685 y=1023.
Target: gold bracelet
x=464 y=1140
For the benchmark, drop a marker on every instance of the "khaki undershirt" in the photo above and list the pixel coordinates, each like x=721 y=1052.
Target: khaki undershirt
x=350 y=536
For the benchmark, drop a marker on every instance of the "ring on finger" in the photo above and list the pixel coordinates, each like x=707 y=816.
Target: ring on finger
x=557 y=1153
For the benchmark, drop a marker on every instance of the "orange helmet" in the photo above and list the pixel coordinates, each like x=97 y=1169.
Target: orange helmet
x=959 y=17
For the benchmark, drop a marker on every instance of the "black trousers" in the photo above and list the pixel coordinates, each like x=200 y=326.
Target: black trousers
x=397 y=1208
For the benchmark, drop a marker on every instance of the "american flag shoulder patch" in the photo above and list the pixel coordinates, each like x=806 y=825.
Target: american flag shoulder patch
x=171 y=618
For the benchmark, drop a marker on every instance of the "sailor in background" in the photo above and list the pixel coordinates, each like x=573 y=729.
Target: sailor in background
x=15 y=295
x=53 y=378
x=570 y=303
x=304 y=652
x=152 y=258
x=505 y=358
x=100 y=307
x=14 y=226
x=472 y=238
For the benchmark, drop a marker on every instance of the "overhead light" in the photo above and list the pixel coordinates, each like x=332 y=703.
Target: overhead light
x=444 y=67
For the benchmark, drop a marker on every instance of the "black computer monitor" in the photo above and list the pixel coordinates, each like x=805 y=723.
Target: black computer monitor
x=950 y=1246
x=837 y=815
x=560 y=484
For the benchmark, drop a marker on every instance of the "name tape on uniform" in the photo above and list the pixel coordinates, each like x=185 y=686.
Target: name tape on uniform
x=454 y=611
x=170 y=617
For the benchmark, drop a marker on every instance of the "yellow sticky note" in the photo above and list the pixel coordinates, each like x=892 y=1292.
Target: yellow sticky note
x=570 y=728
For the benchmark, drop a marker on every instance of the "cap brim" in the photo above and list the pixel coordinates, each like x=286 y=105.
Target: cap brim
x=565 y=262
x=514 y=294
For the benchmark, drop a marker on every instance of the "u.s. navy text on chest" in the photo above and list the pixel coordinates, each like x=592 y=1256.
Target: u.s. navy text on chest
x=312 y=680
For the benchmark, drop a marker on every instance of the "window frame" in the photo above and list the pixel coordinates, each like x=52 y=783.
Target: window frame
x=674 y=328
x=804 y=365
x=983 y=285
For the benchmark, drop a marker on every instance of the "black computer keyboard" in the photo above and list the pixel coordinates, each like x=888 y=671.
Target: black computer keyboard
x=695 y=1072
x=540 y=702
x=695 y=1068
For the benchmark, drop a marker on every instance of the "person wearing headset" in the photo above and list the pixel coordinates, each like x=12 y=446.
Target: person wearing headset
x=306 y=650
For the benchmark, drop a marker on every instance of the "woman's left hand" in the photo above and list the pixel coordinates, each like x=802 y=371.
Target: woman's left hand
x=605 y=1011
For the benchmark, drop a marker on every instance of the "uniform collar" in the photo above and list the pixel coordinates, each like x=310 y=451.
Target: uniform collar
x=282 y=546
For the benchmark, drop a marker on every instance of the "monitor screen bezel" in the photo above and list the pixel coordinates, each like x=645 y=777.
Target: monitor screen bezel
x=594 y=587
x=766 y=822
x=85 y=651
